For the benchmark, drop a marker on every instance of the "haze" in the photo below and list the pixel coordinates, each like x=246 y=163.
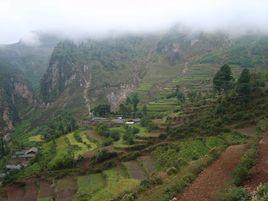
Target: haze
x=80 y=18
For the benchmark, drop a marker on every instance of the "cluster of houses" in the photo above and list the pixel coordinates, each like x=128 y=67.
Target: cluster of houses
x=20 y=159
x=119 y=121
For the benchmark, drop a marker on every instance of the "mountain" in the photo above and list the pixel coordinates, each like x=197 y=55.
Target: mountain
x=16 y=95
x=81 y=76
x=31 y=59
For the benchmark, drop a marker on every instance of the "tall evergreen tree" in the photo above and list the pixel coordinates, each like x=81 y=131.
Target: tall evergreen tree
x=243 y=87
x=223 y=80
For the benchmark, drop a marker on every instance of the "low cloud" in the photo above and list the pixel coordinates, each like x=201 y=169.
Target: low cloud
x=80 y=18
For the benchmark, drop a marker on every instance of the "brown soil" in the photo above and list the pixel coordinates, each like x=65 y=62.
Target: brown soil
x=30 y=191
x=45 y=189
x=260 y=170
x=214 y=179
x=134 y=170
x=249 y=131
x=65 y=189
x=15 y=193
x=148 y=164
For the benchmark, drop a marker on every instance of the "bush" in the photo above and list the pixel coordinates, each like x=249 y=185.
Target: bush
x=115 y=135
x=261 y=194
x=131 y=156
x=235 y=194
x=78 y=137
x=148 y=183
x=102 y=129
x=248 y=160
x=104 y=155
x=128 y=197
x=106 y=142
x=172 y=170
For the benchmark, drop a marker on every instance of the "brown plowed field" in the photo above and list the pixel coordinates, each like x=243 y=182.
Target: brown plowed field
x=214 y=179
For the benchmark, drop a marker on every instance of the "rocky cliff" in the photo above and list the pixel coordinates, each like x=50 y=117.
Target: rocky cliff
x=15 y=94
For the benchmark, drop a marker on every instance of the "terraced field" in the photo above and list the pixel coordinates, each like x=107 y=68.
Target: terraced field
x=66 y=146
x=117 y=182
x=162 y=105
x=83 y=146
x=62 y=148
x=135 y=170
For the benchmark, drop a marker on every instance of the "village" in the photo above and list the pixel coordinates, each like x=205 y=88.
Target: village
x=21 y=158
x=111 y=122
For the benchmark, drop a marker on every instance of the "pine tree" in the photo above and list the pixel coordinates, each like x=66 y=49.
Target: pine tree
x=223 y=80
x=243 y=87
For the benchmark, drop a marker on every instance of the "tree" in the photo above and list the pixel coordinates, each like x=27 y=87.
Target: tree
x=124 y=109
x=223 y=79
x=102 y=110
x=144 y=110
x=243 y=87
x=179 y=95
x=135 y=101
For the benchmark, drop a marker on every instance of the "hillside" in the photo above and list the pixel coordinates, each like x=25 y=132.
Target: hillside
x=151 y=65
x=146 y=117
x=31 y=59
x=15 y=95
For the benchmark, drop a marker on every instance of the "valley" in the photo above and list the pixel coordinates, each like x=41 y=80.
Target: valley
x=176 y=115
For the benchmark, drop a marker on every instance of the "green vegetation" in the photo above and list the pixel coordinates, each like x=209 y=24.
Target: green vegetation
x=36 y=138
x=82 y=146
x=242 y=171
x=174 y=99
x=102 y=110
x=178 y=154
x=235 y=194
x=223 y=79
x=64 y=156
x=117 y=182
x=89 y=184
x=240 y=194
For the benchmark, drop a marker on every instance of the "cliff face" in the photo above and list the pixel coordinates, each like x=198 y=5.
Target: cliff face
x=60 y=70
x=14 y=92
x=31 y=59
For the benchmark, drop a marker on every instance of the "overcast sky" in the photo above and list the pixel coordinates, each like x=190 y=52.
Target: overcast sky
x=98 y=17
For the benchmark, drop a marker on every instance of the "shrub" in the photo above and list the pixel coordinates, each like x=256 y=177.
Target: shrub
x=102 y=129
x=235 y=194
x=106 y=142
x=115 y=135
x=172 y=170
x=131 y=156
x=104 y=155
x=148 y=183
x=78 y=137
x=128 y=197
x=248 y=160
x=261 y=194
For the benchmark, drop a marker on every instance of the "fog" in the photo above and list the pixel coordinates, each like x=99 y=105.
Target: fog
x=97 y=18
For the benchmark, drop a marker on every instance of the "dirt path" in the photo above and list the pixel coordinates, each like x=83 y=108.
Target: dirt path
x=248 y=131
x=260 y=170
x=212 y=180
x=85 y=94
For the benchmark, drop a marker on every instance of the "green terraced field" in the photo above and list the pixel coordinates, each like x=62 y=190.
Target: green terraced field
x=61 y=151
x=84 y=146
x=89 y=184
x=117 y=182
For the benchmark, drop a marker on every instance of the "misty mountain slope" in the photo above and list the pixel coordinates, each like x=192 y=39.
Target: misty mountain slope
x=246 y=51
x=32 y=59
x=107 y=71
x=15 y=95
